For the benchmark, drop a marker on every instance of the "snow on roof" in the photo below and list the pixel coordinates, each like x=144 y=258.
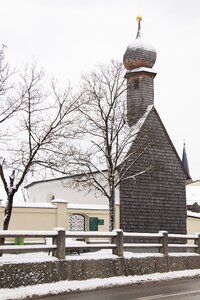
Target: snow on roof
x=135 y=129
x=59 y=201
x=45 y=180
x=141 y=69
x=30 y=204
x=51 y=205
x=88 y=206
x=193 y=214
x=32 y=183
x=141 y=43
x=194 y=183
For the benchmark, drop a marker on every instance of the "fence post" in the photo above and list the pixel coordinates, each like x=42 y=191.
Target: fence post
x=119 y=241
x=164 y=241
x=197 y=242
x=59 y=240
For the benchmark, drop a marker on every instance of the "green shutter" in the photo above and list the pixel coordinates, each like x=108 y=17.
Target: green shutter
x=93 y=224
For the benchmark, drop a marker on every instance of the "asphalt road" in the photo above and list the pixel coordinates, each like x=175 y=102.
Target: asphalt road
x=177 y=289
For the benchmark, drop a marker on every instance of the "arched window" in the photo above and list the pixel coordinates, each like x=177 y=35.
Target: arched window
x=76 y=222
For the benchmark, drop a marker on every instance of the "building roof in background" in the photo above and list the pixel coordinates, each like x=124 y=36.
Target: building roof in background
x=193 y=214
x=193 y=192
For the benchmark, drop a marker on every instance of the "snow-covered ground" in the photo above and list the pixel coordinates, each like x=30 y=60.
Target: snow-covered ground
x=106 y=253
x=72 y=286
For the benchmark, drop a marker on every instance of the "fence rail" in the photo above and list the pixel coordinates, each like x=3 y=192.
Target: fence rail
x=62 y=241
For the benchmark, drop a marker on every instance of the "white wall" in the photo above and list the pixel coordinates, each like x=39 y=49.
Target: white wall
x=46 y=191
x=193 y=192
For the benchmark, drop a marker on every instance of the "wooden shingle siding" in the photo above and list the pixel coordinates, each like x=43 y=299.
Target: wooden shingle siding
x=155 y=200
x=138 y=99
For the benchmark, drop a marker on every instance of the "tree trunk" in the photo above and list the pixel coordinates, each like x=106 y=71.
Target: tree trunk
x=8 y=212
x=112 y=210
x=7 y=216
x=2 y=240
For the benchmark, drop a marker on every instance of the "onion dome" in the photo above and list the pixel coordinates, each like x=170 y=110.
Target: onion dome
x=139 y=53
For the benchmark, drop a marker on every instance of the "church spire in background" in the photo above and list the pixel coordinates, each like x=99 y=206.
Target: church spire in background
x=185 y=163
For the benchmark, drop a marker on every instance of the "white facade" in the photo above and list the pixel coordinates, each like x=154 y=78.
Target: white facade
x=81 y=204
x=47 y=190
x=193 y=192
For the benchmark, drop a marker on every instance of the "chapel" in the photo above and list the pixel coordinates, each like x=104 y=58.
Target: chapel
x=156 y=200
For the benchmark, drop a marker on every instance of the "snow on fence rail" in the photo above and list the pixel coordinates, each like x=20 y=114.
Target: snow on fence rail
x=62 y=241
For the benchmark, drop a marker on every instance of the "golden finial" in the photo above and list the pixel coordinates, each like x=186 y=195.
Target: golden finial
x=139 y=18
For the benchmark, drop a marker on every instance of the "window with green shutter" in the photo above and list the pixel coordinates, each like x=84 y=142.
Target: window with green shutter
x=93 y=224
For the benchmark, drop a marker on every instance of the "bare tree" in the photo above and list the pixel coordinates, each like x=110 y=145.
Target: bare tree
x=43 y=125
x=103 y=159
x=8 y=104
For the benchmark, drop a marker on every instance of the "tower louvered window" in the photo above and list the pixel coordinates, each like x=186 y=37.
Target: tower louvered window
x=136 y=83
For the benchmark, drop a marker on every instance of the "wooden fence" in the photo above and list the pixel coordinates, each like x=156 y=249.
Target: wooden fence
x=115 y=240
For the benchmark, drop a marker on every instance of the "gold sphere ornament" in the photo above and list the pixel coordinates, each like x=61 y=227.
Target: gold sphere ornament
x=139 y=18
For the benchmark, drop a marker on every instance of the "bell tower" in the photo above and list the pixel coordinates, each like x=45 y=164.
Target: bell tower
x=139 y=59
x=156 y=199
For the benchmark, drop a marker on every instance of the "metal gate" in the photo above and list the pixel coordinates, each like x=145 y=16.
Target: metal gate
x=76 y=223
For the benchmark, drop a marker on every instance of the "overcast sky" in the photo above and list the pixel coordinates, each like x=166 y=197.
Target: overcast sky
x=69 y=37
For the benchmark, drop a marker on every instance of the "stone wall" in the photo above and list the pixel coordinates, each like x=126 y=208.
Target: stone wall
x=22 y=274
